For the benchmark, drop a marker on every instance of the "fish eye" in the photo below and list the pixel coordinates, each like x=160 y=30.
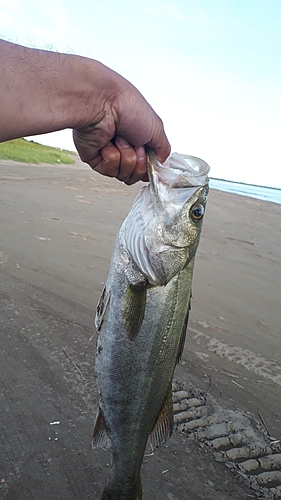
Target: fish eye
x=197 y=212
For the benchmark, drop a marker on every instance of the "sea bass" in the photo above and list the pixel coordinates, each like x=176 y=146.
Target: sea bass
x=142 y=317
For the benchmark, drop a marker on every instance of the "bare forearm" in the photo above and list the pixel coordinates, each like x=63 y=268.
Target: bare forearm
x=42 y=91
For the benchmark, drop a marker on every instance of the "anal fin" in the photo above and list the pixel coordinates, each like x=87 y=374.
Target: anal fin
x=100 y=435
x=163 y=427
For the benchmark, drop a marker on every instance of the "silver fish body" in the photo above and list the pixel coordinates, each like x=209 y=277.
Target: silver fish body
x=142 y=317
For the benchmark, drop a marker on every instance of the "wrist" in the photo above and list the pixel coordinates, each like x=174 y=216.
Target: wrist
x=93 y=91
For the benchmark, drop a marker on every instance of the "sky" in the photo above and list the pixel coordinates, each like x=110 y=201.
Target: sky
x=211 y=69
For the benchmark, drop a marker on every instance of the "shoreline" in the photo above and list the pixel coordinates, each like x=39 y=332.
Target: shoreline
x=79 y=165
x=244 y=183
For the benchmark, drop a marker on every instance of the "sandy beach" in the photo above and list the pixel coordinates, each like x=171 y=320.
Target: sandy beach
x=58 y=225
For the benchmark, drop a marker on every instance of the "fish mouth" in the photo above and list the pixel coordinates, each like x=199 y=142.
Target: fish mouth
x=177 y=179
x=178 y=171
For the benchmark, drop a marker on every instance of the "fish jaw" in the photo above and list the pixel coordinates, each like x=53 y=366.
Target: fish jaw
x=176 y=177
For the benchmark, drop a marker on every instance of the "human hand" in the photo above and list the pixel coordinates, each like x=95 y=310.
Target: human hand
x=112 y=121
x=121 y=126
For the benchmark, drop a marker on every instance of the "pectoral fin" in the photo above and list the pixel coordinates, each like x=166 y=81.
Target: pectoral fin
x=163 y=428
x=133 y=308
x=100 y=435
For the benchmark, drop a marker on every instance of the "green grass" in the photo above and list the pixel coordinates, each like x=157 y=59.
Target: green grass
x=32 y=152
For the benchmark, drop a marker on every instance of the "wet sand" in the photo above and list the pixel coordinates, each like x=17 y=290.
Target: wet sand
x=58 y=226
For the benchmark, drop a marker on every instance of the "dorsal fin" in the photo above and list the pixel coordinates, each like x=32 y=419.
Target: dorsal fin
x=183 y=334
x=102 y=307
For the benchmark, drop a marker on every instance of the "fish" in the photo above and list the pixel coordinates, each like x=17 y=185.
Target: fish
x=142 y=315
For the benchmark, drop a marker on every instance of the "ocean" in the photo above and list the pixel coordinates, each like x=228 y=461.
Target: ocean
x=259 y=192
